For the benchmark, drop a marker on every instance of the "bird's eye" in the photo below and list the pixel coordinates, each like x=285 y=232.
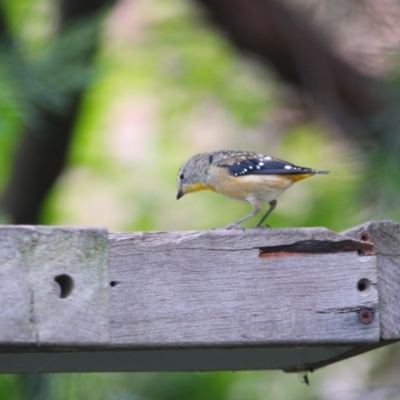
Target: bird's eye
x=181 y=176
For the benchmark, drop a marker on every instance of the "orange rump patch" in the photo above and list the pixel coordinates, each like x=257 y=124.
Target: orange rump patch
x=298 y=177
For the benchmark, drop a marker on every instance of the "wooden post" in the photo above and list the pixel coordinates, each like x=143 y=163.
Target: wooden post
x=53 y=286
x=291 y=299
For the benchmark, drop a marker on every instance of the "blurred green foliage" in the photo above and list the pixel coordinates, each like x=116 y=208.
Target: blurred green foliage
x=173 y=90
x=167 y=86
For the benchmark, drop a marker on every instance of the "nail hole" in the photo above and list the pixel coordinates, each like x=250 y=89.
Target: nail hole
x=113 y=283
x=365 y=237
x=363 y=285
x=65 y=285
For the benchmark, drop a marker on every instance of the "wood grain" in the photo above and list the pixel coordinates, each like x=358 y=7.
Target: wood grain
x=385 y=237
x=36 y=310
x=212 y=300
x=212 y=288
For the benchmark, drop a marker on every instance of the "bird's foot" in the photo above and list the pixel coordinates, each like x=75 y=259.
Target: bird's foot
x=235 y=226
x=266 y=226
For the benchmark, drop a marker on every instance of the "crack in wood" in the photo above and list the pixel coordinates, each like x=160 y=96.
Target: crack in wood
x=316 y=247
x=32 y=317
x=346 y=310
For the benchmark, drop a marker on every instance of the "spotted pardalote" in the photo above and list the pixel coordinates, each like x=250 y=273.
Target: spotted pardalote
x=241 y=175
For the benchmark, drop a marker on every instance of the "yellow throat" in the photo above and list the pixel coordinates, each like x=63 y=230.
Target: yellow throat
x=195 y=187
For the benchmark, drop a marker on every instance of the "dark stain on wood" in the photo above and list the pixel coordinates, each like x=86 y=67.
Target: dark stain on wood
x=317 y=247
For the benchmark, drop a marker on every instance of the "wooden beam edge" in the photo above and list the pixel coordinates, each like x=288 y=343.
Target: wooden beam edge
x=385 y=238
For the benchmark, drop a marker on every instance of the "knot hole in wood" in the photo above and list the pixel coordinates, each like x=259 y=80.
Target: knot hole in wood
x=65 y=285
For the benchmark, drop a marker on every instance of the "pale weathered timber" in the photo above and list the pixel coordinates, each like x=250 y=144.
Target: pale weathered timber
x=53 y=286
x=385 y=237
x=235 y=288
x=287 y=299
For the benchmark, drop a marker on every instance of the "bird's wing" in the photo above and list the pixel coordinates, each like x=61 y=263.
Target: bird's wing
x=251 y=163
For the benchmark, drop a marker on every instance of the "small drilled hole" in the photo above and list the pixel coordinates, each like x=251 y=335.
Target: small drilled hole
x=363 y=285
x=65 y=284
x=113 y=283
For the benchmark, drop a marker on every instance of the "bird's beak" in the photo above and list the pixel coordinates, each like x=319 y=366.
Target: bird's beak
x=180 y=194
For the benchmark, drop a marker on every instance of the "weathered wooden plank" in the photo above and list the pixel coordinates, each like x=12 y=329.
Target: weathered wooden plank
x=385 y=237
x=53 y=285
x=223 y=239
x=15 y=310
x=286 y=299
x=234 y=288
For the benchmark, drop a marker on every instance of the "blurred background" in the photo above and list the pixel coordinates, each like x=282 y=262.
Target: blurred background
x=101 y=101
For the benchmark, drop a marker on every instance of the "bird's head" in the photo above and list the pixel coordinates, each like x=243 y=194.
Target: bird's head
x=193 y=175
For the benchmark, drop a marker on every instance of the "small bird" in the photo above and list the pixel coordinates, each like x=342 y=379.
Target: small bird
x=241 y=175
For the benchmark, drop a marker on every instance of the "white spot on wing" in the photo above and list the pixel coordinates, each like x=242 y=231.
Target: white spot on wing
x=288 y=167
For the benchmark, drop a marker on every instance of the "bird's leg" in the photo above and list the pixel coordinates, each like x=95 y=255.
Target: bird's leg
x=272 y=205
x=256 y=210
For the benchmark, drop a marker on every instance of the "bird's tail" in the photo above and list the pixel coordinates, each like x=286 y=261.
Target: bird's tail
x=299 y=177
